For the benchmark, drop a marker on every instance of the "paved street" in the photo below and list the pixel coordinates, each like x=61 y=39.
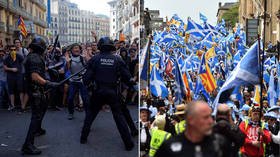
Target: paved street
x=62 y=138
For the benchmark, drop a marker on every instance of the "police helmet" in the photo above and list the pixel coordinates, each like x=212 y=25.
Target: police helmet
x=38 y=44
x=106 y=44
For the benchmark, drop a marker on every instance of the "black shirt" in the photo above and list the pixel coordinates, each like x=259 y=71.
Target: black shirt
x=180 y=146
x=14 y=64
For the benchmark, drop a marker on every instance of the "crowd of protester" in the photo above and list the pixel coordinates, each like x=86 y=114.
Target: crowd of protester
x=61 y=62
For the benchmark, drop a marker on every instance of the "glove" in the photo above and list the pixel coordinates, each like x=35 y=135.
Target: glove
x=50 y=84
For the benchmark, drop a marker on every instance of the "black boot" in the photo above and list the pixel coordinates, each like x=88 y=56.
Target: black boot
x=129 y=147
x=30 y=150
x=40 y=132
x=83 y=140
x=134 y=133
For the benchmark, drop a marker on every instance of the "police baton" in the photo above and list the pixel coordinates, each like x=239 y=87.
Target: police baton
x=68 y=78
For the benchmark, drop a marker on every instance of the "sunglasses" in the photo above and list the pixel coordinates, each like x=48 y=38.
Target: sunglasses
x=12 y=49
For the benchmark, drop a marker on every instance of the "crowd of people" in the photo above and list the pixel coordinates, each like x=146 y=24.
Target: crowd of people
x=61 y=62
x=192 y=129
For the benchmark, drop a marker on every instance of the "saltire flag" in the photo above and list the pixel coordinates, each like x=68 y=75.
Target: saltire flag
x=144 y=62
x=271 y=90
x=210 y=29
x=157 y=86
x=194 y=29
x=206 y=76
x=180 y=89
x=245 y=73
x=22 y=27
x=202 y=17
x=278 y=79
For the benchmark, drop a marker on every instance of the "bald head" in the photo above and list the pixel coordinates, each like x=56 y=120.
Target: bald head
x=195 y=107
x=198 y=118
x=223 y=108
x=223 y=112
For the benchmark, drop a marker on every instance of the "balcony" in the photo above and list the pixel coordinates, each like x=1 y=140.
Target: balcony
x=40 y=22
x=12 y=8
x=2 y=27
x=11 y=29
x=134 y=19
x=40 y=3
x=3 y=3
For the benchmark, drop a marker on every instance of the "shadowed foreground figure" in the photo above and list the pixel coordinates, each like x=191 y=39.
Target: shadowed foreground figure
x=37 y=84
x=197 y=140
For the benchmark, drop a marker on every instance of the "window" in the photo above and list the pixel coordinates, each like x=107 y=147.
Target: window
x=113 y=13
x=114 y=20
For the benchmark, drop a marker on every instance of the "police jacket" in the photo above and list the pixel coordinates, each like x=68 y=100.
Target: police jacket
x=34 y=64
x=105 y=69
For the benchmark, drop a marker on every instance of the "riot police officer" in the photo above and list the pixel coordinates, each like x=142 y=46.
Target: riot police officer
x=104 y=70
x=36 y=82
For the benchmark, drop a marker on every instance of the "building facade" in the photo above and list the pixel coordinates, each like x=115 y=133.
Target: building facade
x=222 y=9
x=254 y=9
x=75 y=25
x=156 y=22
x=32 y=11
x=127 y=21
x=113 y=17
x=102 y=25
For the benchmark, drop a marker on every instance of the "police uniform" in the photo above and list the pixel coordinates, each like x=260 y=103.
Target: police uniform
x=104 y=70
x=35 y=64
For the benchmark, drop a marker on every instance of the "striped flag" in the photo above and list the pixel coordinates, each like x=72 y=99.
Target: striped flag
x=206 y=76
x=21 y=27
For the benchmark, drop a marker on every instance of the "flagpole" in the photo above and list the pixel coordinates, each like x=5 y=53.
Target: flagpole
x=261 y=61
x=149 y=67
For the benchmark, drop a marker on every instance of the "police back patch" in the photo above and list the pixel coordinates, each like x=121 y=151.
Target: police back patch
x=176 y=146
x=107 y=61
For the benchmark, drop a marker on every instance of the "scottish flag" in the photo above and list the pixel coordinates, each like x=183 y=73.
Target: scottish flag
x=180 y=89
x=272 y=95
x=144 y=62
x=278 y=76
x=202 y=17
x=195 y=29
x=246 y=72
x=157 y=85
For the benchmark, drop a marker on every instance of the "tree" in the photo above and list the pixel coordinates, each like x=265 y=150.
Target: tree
x=231 y=16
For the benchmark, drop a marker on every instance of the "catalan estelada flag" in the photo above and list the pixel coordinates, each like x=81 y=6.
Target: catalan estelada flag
x=206 y=76
x=21 y=26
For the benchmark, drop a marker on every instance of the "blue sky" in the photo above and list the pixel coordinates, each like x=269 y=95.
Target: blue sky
x=185 y=8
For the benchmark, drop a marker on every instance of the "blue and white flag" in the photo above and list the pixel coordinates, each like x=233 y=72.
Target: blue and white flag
x=195 y=29
x=246 y=72
x=278 y=76
x=144 y=62
x=271 y=90
x=180 y=89
x=202 y=17
x=157 y=86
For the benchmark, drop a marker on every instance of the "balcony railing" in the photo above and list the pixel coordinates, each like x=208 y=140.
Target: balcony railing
x=11 y=29
x=3 y=3
x=2 y=27
x=40 y=3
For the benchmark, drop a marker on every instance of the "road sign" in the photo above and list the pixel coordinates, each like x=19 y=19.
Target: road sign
x=251 y=30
